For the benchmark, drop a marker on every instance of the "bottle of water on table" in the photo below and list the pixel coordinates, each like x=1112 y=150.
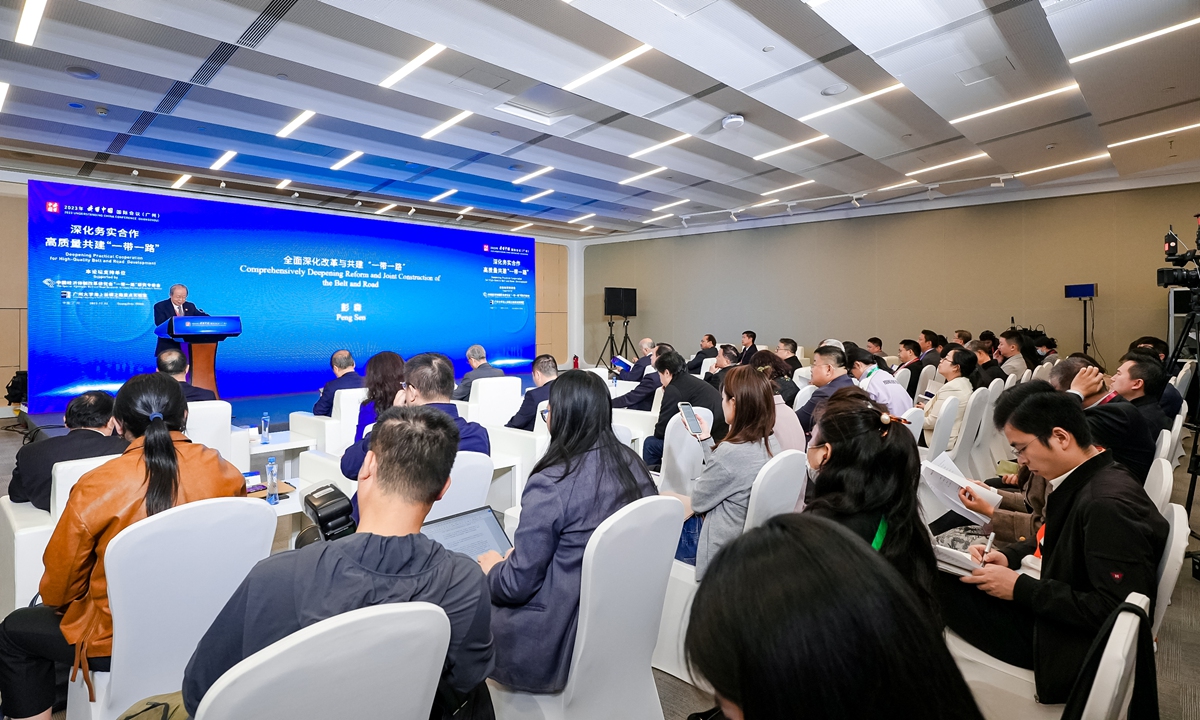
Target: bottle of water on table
x=264 y=429
x=272 y=481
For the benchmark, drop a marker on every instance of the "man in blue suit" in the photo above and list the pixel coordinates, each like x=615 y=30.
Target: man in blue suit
x=174 y=306
x=342 y=363
x=635 y=373
x=545 y=370
x=642 y=396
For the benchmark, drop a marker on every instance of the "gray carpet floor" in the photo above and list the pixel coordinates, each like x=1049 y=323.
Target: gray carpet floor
x=1179 y=640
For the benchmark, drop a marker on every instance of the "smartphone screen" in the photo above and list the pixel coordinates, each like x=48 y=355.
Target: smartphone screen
x=689 y=418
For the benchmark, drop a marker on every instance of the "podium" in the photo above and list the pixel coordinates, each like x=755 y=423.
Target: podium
x=201 y=333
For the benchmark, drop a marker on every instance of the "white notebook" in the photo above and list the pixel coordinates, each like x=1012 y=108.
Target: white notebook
x=942 y=476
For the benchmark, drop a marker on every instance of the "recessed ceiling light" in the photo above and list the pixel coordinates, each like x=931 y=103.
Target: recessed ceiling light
x=31 y=17
x=581 y=217
x=1062 y=165
x=585 y=229
x=220 y=163
x=1159 y=134
x=179 y=183
x=656 y=219
x=946 y=165
x=83 y=73
x=466 y=210
x=1022 y=101
x=646 y=174
x=281 y=76
x=526 y=178
x=1125 y=44
x=346 y=160
x=521 y=227
x=769 y=48
x=535 y=196
x=3 y=94
x=765 y=202
x=835 y=89
x=449 y=123
x=659 y=146
x=282 y=184
x=385 y=208
x=855 y=101
x=75 y=105
x=660 y=208
x=606 y=67
x=789 y=187
x=300 y=120
x=411 y=65
x=906 y=183
x=800 y=144
x=442 y=196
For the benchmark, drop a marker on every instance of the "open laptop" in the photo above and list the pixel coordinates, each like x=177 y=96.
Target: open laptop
x=471 y=533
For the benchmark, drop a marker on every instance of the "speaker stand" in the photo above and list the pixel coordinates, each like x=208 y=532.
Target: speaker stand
x=605 y=358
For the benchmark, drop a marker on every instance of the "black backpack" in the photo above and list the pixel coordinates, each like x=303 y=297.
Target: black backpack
x=17 y=390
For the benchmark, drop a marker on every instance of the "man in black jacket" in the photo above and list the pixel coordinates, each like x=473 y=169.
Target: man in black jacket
x=708 y=349
x=1102 y=539
x=988 y=369
x=545 y=372
x=89 y=417
x=748 y=347
x=680 y=386
x=727 y=358
x=830 y=374
x=174 y=306
x=174 y=363
x=786 y=349
x=1116 y=425
x=1141 y=380
x=638 y=371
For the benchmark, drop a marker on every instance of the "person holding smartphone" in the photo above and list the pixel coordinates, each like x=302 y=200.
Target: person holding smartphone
x=680 y=386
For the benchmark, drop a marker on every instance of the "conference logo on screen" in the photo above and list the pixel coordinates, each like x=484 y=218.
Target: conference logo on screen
x=52 y=207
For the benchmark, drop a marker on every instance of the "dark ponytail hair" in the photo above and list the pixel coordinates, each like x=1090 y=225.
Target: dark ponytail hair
x=151 y=406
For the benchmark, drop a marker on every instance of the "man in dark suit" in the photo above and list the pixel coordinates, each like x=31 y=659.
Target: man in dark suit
x=642 y=396
x=708 y=349
x=909 y=353
x=89 y=417
x=173 y=362
x=477 y=359
x=786 y=349
x=1141 y=380
x=346 y=378
x=174 y=306
x=545 y=371
x=1102 y=539
x=988 y=369
x=727 y=358
x=748 y=347
x=635 y=373
x=929 y=353
x=829 y=373
x=680 y=386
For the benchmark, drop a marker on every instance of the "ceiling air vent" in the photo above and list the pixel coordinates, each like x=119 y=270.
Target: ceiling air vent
x=542 y=103
x=684 y=8
x=986 y=71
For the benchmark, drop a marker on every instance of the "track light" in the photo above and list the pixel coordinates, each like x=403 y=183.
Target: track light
x=854 y=202
x=295 y=194
x=134 y=173
x=358 y=204
x=683 y=220
x=411 y=211
x=999 y=183
x=458 y=218
x=789 y=209
x=222 y=183
x=733 y=217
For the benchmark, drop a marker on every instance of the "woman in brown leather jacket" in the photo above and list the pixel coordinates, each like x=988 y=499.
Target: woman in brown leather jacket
x=160 y=469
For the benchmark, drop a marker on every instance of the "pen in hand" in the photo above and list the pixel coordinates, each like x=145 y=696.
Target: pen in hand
x=987 y=549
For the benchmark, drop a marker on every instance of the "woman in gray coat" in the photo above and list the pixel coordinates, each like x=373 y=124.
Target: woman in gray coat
x=586 y=475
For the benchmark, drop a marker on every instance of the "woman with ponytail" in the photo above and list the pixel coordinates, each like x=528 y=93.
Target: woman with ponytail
x=864 y=470
x=160 y=469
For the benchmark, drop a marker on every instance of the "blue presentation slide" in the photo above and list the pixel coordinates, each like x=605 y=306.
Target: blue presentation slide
x=304 y=284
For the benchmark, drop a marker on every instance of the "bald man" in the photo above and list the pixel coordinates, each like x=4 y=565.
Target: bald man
x=636 y=372
x=345 y=378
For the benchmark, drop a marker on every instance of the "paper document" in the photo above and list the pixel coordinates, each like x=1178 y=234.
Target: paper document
x=942 y=476
x=955 y=562
x=621 y=363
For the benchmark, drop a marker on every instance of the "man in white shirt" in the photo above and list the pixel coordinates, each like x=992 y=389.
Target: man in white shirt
x=956 y=367
x=878 y=383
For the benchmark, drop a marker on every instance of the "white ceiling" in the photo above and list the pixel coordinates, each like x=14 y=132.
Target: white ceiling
x=183 y=81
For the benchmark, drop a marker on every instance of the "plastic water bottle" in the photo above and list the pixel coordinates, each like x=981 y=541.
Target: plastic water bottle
x=614 y=380
x=264 y=429
x=272 y=482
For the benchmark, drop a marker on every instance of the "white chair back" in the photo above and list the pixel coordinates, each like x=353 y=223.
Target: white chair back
x=943 y=426
x=903 y=375
x=1158 y=484
x=683 y=458
x=982 y=463
x=1112 y=688
x=470 y=479
x=777 y=488
x=63 y=477
x=706 y=366
x=1177 y=434
x=495 y=400
x=1183 y=380
x=541 y=428
x=656 y=404
x=625 y=570
x=928 y=373
x=1042 y=372
x=1025 y=376
x=624 y=434
x=916 y=419
x=803 y=396
x=968 y=431
x=802 y=377
x=1171 y=562
x=345 y=413
x=210 y=423
x=601 y=371
x=1011 y=381
x=168 y=577
x=1162 y=448
x=892 y=360
x=486 y=389
x=344 y=666
x=1000 y=448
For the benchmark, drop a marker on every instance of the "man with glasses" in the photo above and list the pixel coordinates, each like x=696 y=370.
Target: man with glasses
x=829 y=373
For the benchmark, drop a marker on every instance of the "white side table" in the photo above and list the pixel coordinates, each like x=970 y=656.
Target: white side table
x=285 y=447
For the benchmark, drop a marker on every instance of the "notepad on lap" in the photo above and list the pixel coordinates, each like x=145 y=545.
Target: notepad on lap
x=955 y=562
x=941 y=476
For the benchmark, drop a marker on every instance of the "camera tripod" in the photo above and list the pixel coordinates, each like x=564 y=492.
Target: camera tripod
x=1189 y=326
x=627 y=345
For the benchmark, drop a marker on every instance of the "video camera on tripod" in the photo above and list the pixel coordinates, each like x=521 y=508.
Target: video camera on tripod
x=1177 y=275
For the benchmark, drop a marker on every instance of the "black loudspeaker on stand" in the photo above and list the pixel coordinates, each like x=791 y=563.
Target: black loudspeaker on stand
x=623 y=302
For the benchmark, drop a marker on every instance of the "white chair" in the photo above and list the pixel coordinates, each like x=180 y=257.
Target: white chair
x=802 y=377
x=335 y=433
x=321 y=468
x=1177 y=435
x=525 y=445
x=1183 y=380
x=470 y=479
x=1162 y=448
x=494 y=400
x=1159 y=484
x=775 y=491
x=903 y=375
x=641 y=422
x=942 y=427
x=63 y=477
x=540 y=426
x=625 y=569
x=928 y=373
x=210 y=423
x=168 y=577
x=1025 y=376
x=916 y=421
x=968 y=431
x=1004 y=691
x=1171 y=562
x=343 y=667
x=1041 y=372
x=656 y=404
x=1011 y=381
x=1000 y=448
x=891 y=360
x=803 y=396
x=706 y=366
x=682 y=458
x=982 y=463
x=624 y=434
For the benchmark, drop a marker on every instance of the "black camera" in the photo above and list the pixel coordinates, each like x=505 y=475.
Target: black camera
x=1178 y=276
x=330 y=510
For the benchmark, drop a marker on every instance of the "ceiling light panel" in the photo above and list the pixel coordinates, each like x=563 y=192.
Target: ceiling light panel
x=442 y=196
x=385 y=208
x=31 y=18
x=1016 y=103
x=537 y=196
x=180 y=182
x=346 y=160
x=297 y=122
x=659 y=146
x=1135 y=40
x=581 y=218
x=536 y=173
x=641 y=176
x=448 y=124
x=607 y=67
x=430 y=52
x=677 y=203
x=221 y=161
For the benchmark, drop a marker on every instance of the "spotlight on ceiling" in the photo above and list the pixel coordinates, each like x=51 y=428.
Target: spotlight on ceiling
x=733 y=217
x=683 y=219
x=999 y=183
x=732 y=122
x=358 y=204
x=411 y=210
x=854 y=202
x=135 y=172
x=295 y=194
x=222 y=183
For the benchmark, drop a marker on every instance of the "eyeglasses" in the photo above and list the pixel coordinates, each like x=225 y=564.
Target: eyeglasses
x=546 y=416
x=1019 y=451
